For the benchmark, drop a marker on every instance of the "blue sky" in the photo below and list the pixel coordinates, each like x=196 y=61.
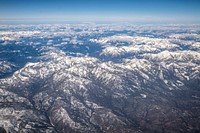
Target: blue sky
x=173 y=11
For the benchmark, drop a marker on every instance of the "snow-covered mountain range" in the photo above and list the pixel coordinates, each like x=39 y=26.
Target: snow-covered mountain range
x=109 y=78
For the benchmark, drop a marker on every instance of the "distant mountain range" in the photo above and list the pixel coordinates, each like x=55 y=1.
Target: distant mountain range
x=104 y=78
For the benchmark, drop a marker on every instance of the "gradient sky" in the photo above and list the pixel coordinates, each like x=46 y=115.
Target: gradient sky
x=174 y=11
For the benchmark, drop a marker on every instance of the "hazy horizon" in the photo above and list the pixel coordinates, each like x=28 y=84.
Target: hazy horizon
x=134 y=11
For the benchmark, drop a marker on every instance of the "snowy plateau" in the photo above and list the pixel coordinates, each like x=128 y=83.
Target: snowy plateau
x=100 y=78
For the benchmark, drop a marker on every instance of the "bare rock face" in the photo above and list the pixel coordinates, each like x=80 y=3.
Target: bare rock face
x=131 y=84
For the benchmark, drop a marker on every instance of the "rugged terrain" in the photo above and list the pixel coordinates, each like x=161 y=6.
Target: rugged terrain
x=100 y=78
